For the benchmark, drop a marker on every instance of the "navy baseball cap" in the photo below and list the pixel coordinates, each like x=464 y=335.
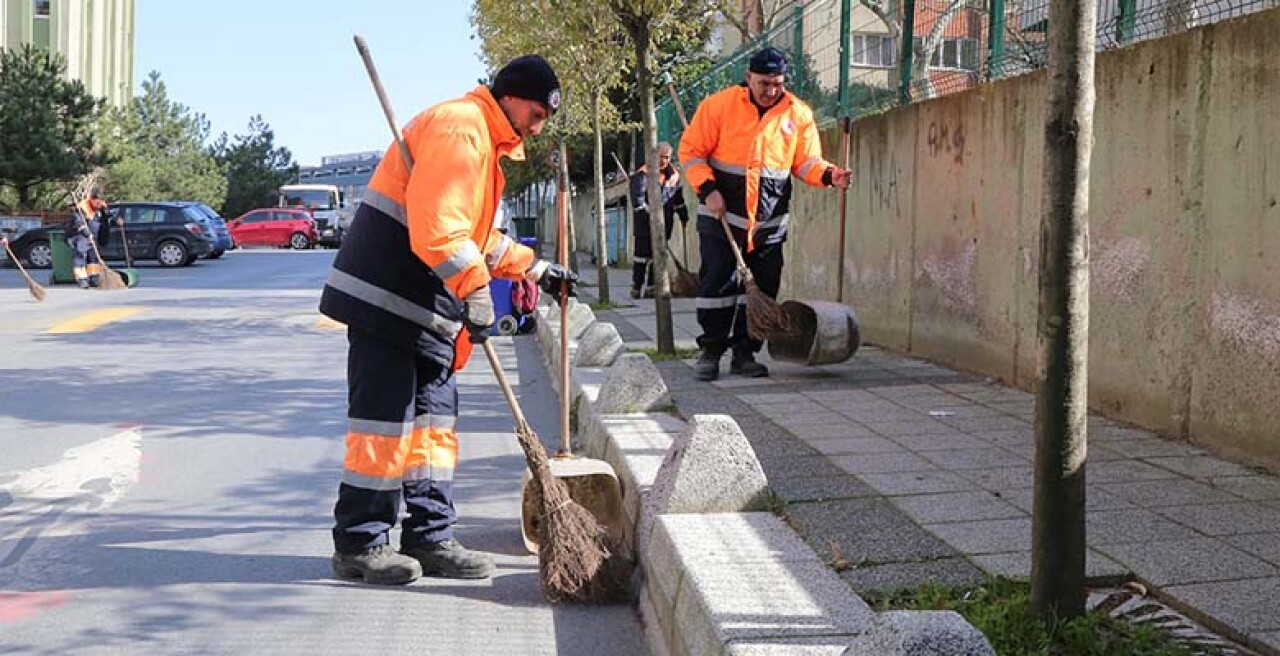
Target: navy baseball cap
x=769 y=61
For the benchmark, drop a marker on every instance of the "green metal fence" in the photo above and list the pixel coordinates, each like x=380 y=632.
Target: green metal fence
x=896 y=52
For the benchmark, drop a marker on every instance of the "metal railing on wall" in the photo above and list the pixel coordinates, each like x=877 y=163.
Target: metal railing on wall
x=858 y=57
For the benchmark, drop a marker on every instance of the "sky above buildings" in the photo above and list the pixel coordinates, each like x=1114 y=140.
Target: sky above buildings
x=293 y=62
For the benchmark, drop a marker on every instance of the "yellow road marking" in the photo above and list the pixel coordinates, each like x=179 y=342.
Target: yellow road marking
x=325 y=323
x=91 y=320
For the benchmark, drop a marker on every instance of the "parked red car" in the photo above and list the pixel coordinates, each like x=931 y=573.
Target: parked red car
x=276 y=226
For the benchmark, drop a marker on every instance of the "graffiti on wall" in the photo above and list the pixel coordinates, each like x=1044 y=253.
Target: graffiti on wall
x=946 y=140
x=884 y=178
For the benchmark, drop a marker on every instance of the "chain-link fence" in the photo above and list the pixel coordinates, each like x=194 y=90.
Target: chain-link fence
x=951 y=45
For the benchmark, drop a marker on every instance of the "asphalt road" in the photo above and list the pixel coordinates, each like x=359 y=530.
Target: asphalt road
x=169 y=458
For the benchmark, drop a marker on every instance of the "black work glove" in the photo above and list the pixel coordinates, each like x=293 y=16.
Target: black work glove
x=552 y=279
x=477 y=314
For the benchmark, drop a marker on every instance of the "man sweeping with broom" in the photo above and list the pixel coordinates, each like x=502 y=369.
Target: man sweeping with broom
x=739 y=153
x=411 y=282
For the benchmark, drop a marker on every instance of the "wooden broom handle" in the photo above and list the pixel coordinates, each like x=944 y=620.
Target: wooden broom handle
x=737 y=252
x=363 y=48
x=728 y=234
x=510 y=395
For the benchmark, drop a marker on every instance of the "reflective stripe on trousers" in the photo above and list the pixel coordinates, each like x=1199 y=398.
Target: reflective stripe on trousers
x=401 y=444
x=721 y=303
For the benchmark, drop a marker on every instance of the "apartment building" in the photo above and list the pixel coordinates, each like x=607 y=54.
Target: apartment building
x=96 y=37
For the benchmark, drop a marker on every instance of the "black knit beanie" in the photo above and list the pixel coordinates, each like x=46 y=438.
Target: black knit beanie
x=529 y=77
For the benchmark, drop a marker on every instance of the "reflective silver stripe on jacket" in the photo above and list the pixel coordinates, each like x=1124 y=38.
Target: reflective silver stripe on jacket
x=462 y=259
x=390 y=429
x=777 y=174
x=495 y=256
x=383 y=203
x=734 y=219
x=727 y=167
x=393 y=303
x=740 y=222
x=365 y=482
x=703 y=303
x=779 y=222
x=694 y=161
x=435 y=421
x=808 y=166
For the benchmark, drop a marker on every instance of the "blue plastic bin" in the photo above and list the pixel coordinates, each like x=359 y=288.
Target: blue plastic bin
x=504 y=311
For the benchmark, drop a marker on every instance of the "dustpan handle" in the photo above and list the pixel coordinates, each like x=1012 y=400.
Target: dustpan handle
x=562 y=228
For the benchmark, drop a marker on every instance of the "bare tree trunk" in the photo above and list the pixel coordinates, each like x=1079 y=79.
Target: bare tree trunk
x=24 y=196
x=640 y=36
x=602 y=221
x=1058 y=519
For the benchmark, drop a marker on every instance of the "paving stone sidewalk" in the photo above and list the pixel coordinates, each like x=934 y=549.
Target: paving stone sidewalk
x=899 y=472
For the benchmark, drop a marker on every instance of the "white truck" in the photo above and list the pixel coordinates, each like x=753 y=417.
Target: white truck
x=327 y=206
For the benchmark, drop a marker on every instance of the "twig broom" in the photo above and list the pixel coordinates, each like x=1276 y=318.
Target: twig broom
x=37 y=292
x=110 y=279
x=574 y=550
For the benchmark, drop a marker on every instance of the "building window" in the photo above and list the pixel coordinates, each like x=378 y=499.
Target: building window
x=953 y=54
x=40 y=32
x=873 y=51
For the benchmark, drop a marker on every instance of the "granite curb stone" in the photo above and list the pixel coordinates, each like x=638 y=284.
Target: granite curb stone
x=722 y=583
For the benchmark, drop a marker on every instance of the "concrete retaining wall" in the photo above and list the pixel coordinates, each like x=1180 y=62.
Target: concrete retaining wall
x=943 y=233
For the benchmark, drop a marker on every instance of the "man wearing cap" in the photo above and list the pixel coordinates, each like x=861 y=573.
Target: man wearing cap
x=739 y=153
x=672 y=206
x=411 y=282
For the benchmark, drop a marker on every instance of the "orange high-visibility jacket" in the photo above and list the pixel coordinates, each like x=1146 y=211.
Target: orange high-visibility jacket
x=440 y=215
x=89 y=207
x=750 y=159
x=453 y=194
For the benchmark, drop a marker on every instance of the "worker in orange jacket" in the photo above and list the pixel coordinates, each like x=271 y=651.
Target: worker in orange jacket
x=739 y=153
x=89 y=223
x=411 y=282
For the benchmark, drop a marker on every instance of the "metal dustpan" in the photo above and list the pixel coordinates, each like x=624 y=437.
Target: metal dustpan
x=822 y=332
x=592 y=483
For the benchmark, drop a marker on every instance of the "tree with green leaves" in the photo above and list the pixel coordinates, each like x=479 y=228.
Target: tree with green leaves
x=255 y=167
x=589 y=58
x=159 y=152
x=46 y=123
x=646 y=23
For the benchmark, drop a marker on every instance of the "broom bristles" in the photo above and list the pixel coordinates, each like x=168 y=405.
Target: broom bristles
x=111 y=279
x=765 y=318
x=36 y=290
x=577 y=559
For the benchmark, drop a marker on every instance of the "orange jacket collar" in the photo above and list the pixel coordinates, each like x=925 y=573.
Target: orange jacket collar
x=505 y=139
x=744 y=96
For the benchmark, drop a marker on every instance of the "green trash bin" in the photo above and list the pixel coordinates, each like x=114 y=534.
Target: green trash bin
x=62 y=265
